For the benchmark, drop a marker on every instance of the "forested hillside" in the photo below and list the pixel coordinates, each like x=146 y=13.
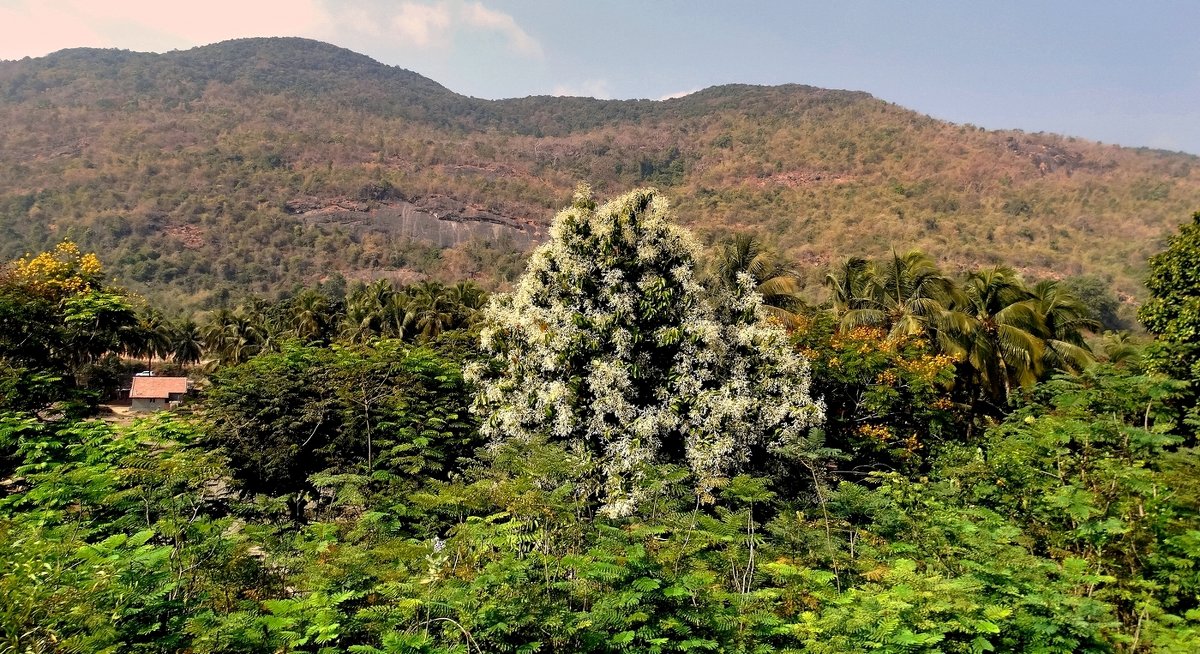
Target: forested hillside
x=259 y=165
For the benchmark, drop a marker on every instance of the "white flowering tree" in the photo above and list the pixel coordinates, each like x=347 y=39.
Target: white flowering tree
x=609 y=344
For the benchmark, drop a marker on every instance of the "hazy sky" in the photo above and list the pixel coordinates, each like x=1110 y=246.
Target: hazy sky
x=1119 y=72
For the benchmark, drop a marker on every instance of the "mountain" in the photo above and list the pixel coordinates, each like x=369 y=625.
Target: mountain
x=255 y=165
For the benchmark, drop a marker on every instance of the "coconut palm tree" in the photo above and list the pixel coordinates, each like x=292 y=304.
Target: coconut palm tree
x=1122 y=351
x=770 y=275
x=1003 y=334
x=310 y=315
x=1064 y=318
x=469 y=300
x=187 y=342
x=907 y=296
x=393 y=316
x=430 y=311
x=235 y=336
x=367 y=308
x=998 y=331
x=244 y=338
x=847 y=283
x=468 y=295
x=153 y=337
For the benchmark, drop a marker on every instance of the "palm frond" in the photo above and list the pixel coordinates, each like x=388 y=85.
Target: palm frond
x=864 y=318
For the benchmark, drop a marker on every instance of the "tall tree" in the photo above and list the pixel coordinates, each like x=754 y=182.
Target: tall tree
x=999 y=331
x=1012 y=335
x=429 y=311
x=906 y=295
x=1064 y=318
x=235 y=336
x=608 y=343
x=1173 y=312
x=310 y=315
x=1003 y=334
x=469 y=300
x=848 y=283
x=153 y=340
x=371 y=309
x=187 y=342
x=57 y=316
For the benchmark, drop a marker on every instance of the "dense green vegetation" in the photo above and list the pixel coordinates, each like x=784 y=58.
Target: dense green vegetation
x=981 y=480
x=1172 y=313
x=260 y=165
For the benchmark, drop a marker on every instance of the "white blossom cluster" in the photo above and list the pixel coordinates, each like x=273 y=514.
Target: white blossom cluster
x=609 y=344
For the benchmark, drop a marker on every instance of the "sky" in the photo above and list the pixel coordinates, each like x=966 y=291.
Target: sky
x=1118 y=72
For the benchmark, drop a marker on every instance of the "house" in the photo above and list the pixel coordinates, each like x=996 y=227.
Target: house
x=156 y=393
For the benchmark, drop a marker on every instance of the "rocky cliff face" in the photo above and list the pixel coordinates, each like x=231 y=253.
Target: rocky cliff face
x=437 y=220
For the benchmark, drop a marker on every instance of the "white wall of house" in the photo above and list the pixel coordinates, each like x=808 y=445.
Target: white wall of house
x=147 y=404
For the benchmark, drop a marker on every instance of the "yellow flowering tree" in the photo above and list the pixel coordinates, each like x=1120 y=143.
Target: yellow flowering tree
x=57 y=274
x=889 y=399
x=56 y=317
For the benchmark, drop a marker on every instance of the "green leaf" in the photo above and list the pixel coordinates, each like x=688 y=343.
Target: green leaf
x=622 y=639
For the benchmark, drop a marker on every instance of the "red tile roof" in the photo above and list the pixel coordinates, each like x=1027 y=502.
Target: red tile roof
x=157 y=387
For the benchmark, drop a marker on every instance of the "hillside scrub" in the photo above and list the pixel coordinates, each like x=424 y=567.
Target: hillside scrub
x=183 y=168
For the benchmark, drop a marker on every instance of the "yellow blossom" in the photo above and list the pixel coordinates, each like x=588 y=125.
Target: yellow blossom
x=875 y=432
x=59 y=273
